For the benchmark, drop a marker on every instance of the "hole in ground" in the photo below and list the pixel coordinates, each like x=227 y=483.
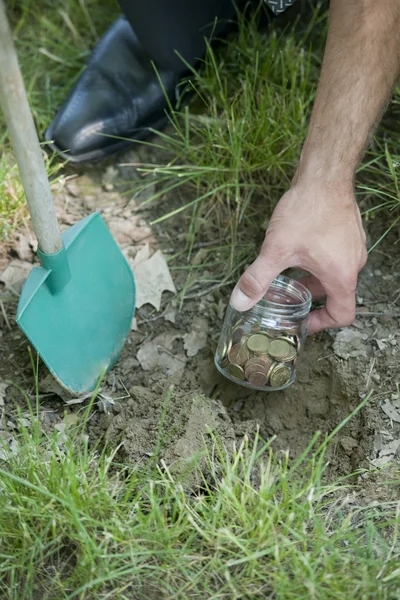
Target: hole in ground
x=317 y=401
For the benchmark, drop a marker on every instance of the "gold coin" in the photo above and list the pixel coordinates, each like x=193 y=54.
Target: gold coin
x=258 y=343
x=238 y=354
x=280 y=375
x=257 y=379
x=271 y=368
x=235 y=371
x=294 y=340
x=291 y=339
x=291 y=356
x=279 y=349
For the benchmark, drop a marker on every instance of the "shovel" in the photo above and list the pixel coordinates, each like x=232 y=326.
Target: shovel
x=77 y=308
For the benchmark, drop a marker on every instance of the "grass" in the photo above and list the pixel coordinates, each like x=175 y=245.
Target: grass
x=235 y=146
x=236 y=143
x=76 y=524
x=53 y=41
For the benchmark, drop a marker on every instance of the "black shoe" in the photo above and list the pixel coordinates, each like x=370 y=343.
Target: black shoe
x=118 y=94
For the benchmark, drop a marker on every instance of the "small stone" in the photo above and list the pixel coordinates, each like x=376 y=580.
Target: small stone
x=15 y=275
x=348 y=444
x=381 y=344
x=378 y=272
x=391 y=411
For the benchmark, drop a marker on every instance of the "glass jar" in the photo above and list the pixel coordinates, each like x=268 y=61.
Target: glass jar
x=259 y=348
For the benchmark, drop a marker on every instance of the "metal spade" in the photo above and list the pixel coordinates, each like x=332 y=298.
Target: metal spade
x=77 y=308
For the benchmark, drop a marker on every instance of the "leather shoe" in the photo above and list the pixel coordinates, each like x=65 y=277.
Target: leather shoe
x=118 y=96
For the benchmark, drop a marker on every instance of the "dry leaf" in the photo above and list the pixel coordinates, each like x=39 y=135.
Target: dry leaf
x=3 y=387
x=349 y=343
x=23 y=247
x=157 y=353
x=152 y=279
x=128 y=231
x=392 y=412
x=196 y=340
x=104 y=403
x=141 y=255
x=8 y=445
x=15 y=274
x=170 y=313
x=49 y=385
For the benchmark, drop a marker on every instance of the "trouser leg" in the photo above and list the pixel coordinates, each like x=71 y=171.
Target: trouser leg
x=167 y=27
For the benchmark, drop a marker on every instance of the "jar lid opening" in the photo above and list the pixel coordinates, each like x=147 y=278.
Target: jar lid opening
x=286 y=294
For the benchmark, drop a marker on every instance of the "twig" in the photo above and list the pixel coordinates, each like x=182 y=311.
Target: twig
x=182 y=360
x=5 y=315
x=370 y=372
x=378 y=314
x=208 y=290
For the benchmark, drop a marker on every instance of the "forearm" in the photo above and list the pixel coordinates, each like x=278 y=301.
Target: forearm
x=360 y=66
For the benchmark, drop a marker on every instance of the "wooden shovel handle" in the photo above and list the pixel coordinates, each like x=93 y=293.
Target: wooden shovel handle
x=25 y=142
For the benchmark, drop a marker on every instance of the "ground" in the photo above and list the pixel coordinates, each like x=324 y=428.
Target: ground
x=172 y=481
x=335 y=373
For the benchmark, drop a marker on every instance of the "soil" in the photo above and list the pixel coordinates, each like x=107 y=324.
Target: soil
x=165 y=411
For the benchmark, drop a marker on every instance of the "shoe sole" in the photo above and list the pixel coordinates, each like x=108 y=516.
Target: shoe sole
x=98 y=155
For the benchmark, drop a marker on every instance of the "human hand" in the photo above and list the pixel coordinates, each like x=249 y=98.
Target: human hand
x=318 y=229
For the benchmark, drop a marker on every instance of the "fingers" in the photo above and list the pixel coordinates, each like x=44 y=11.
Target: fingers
x=339 y=311
x=254 y=282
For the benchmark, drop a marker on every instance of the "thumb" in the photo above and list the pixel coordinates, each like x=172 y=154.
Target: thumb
x=254 y=282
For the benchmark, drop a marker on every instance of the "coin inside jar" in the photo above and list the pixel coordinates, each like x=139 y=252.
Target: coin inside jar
x=280 y=349
x=280 y=375
x=257 y=379
x=235 y=371
x=253 y=365
x=238 y=354
x=259 y=343
x=290 y=356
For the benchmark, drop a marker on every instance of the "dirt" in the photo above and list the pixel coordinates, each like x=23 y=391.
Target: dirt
x=165 y=411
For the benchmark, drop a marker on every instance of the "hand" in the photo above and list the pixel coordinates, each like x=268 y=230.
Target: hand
x=318 y=229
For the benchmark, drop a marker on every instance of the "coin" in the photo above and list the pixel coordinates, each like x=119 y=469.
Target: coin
x=235 y=371
x=261 y=364
x=280 y=375
x=271 y=368
x=249 y=370
x=279 y=349
x=288 y=338
x=294 y=340
x=258 y=343
x=291 y=356
x=237 y=335
x=257 y=379
x=238 y=354
x=224 y=362
x=261 y=360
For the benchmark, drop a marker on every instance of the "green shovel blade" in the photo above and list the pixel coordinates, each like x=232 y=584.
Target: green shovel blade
x=80 y=330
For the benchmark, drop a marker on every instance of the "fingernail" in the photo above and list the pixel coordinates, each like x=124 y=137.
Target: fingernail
x=239 y=300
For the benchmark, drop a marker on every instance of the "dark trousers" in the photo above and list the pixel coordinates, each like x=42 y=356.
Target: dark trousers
x=166 y=28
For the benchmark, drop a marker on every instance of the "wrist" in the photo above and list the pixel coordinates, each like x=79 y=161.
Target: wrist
x=319 y=173
x=324 y=187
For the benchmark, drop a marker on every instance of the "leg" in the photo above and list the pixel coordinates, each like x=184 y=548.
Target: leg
x=167 y=27
x=119 y=94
